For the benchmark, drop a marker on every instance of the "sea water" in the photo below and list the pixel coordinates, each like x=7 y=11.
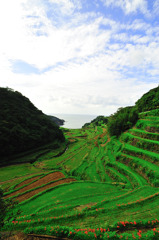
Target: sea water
x=75 y=121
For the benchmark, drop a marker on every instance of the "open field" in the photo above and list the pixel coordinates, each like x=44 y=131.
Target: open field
x=96 y=188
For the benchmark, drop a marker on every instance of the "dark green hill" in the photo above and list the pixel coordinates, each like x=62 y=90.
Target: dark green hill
x=22 y=126
x=59 y=122
x=149 y=100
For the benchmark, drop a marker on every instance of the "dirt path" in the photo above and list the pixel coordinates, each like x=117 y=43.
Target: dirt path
x=104 y=133
x=22 y=236
x=44 y=237
x=104 y=144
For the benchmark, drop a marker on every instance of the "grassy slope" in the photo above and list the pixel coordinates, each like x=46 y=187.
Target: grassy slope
x=116 y=180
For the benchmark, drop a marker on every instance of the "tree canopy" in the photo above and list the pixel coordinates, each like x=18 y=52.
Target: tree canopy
x=126 y=117
x=122 y=120
x=22 y=125
x=98 y=121
x=149 y=100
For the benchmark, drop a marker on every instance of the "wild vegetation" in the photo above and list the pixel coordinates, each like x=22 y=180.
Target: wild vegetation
x=99 y=186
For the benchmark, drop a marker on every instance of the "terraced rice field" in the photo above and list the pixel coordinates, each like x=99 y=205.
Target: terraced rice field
x=34 y=187
x=26 y=182
x=97 y=183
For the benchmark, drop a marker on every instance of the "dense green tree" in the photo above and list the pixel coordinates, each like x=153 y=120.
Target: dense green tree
x=126 y=117
x=122 y=120
x=98 y=121
x=149 y=100
x=22 y=126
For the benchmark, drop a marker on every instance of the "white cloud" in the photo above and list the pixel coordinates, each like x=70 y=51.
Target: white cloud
x=56 y=45
x=156 y=7
x=129 y=6
x=95 y=85
x=66 y=6
x=139 y=24
x=92 y=66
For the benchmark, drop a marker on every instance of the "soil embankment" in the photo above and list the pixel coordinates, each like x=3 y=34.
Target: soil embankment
x=27 y=181
x=48 y=186
x=44 y=183
x=44 y=180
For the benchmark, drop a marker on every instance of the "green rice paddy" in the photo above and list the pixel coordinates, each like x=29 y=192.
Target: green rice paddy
x=114 y=180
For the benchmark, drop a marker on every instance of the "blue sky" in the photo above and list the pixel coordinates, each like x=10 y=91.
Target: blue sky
x=80 y=56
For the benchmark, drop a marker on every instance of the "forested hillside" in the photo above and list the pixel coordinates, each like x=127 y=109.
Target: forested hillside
x=149 y=100
x=126 y=118
x=23 y=126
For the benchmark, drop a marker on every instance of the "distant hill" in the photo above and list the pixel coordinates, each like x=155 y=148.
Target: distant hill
x=58 y=121
x=98 y=121
x=22 y=125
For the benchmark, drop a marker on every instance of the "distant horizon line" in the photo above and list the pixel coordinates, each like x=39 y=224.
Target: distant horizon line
x=74 y=114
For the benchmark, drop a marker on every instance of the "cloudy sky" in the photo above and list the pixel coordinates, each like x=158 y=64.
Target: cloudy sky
x=80 y=56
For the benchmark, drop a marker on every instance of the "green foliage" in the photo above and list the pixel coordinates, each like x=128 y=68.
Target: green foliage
x=2 y=209
x=99 y=233
x=148 y=125
x=98 y=121
x=152 y=113
x=23 y=126
x=122 y=120
x=125 y=118
x=56 y=120
x=149 y=100
x=7 y=209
